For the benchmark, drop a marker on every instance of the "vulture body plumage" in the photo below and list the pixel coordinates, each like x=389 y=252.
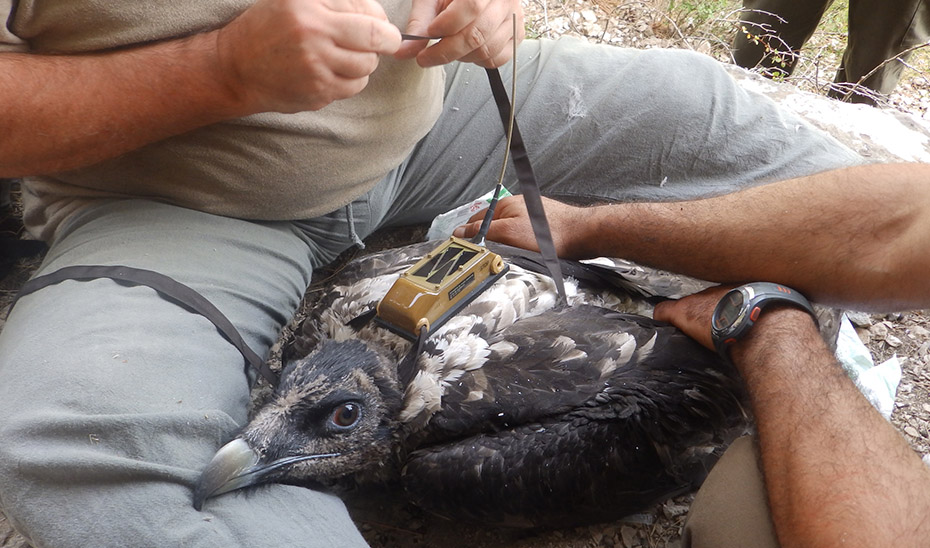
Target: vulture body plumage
x=518 y=411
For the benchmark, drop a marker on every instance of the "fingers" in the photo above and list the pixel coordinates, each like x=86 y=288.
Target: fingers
x=512 y=226
x=692 y=314
x=422 y=13
x=686 y=317
x=365 y=34
x=475 y=31
x=293 y=55
x=467 y=230
x=486 y=49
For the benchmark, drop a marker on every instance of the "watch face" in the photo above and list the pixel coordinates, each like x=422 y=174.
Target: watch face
x=729 y=309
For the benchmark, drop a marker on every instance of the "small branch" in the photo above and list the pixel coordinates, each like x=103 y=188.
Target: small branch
x=856 y=87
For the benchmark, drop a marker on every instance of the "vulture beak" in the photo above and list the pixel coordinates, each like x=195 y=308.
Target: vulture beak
x=237 y=465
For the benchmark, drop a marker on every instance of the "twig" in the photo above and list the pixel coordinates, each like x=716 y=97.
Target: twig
x=855 y=87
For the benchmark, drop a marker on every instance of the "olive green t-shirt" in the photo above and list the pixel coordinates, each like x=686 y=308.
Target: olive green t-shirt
x=266 y=166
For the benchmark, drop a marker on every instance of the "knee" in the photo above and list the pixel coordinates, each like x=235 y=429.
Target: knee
x=682 y=83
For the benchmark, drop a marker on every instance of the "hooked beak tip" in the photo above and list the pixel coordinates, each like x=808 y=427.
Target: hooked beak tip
x=228 y=470
x=237 y=465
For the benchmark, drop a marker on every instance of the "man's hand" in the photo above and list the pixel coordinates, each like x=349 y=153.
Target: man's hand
x=474 y=31
x=294 y=55
x=576 y=234
x=692 y=314
x=511 y=226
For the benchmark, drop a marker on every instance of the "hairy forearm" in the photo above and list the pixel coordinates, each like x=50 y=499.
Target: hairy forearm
x=61 y=112
x=836 y=472
x=853 y=237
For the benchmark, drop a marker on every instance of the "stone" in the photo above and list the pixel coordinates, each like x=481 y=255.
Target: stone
x=879 y=331
x=864 y=335
x=672 y=510
x=629 y=536
x=859 y=319
x=924 y=349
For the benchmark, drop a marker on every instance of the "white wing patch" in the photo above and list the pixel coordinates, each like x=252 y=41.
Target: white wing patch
x=504 y=349
x=606 y=366
x=421 y=399
x=646 y=349
x=626 y=346
x=566 y=349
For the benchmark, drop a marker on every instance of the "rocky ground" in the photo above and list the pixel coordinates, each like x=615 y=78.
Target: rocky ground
x=654 y=23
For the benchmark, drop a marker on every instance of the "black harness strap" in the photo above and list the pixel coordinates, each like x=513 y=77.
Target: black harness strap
x=407 y=368
x=521 y=163
x=528 y=185
x=168 y=288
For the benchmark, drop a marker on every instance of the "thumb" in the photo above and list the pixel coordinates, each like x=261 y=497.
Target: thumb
x=467 y=230
x=693 y=314
x=664 y=311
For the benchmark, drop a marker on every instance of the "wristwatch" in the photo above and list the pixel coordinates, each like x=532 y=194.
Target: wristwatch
x=739 y=309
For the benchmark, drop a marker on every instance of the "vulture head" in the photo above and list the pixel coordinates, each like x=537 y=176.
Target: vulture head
x=333 y=414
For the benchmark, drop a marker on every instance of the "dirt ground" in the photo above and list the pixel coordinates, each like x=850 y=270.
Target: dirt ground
x=387 y=523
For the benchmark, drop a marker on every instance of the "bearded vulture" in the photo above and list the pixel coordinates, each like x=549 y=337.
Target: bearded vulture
x=517 y=412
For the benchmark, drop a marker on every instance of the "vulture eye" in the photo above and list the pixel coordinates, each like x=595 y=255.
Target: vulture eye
x=345 y=415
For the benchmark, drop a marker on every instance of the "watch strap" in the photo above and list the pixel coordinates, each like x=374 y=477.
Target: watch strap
x=756 y=297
